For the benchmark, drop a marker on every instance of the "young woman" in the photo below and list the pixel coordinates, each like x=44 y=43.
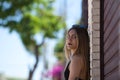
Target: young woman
x=77 y=53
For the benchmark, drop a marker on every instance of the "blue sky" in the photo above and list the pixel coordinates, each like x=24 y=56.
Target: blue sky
x=12 y=54
x=14 y=59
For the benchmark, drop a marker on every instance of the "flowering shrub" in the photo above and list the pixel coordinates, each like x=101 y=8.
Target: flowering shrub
x=56 y=72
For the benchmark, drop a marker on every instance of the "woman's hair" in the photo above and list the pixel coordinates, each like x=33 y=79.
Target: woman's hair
x=83 y=48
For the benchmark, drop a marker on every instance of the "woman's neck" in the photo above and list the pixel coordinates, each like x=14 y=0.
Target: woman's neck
x=73 y=51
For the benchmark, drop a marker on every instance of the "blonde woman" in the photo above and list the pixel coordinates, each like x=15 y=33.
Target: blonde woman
x=77 y=53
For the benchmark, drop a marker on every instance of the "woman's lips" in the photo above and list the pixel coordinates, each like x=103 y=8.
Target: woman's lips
x=69 y=44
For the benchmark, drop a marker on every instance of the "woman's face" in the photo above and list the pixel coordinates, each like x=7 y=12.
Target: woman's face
x=72 y=40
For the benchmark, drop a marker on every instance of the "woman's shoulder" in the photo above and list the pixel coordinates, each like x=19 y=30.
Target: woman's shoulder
x=77 y=60
x=76 y=57
x=75 y=66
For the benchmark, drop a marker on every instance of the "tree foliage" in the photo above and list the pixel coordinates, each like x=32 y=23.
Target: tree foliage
x=28 y=18
x=59 y=50
x=36 y=17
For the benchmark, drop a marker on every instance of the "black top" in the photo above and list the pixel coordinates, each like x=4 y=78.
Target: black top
x=67 y=72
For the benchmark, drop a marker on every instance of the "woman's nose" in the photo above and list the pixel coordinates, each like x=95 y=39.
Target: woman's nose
x=70 y=39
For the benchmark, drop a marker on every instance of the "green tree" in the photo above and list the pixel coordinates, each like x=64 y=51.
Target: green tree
x=59 y=47
x=59 y=50
x=28 y=18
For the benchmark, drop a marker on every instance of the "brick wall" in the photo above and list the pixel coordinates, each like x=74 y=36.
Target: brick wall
x=94 y=33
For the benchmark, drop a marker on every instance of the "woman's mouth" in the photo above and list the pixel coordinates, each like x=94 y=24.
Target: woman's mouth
x=69 y=44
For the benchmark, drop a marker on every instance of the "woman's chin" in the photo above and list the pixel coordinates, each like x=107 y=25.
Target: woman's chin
x=69 y=47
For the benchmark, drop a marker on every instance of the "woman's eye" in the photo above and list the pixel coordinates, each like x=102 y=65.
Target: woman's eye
x=71 y=37
x=74 y=37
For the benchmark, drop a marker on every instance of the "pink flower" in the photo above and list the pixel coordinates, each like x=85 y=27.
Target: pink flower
x=57 y=70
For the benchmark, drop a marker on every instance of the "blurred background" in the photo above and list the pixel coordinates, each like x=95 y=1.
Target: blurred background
x=32 y=36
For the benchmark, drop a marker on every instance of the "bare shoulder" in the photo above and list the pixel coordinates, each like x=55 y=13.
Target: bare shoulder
x=76 y=61
x=76 y=58
x=75 y=67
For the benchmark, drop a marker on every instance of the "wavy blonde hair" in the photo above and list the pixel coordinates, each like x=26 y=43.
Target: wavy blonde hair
x=82 y=50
